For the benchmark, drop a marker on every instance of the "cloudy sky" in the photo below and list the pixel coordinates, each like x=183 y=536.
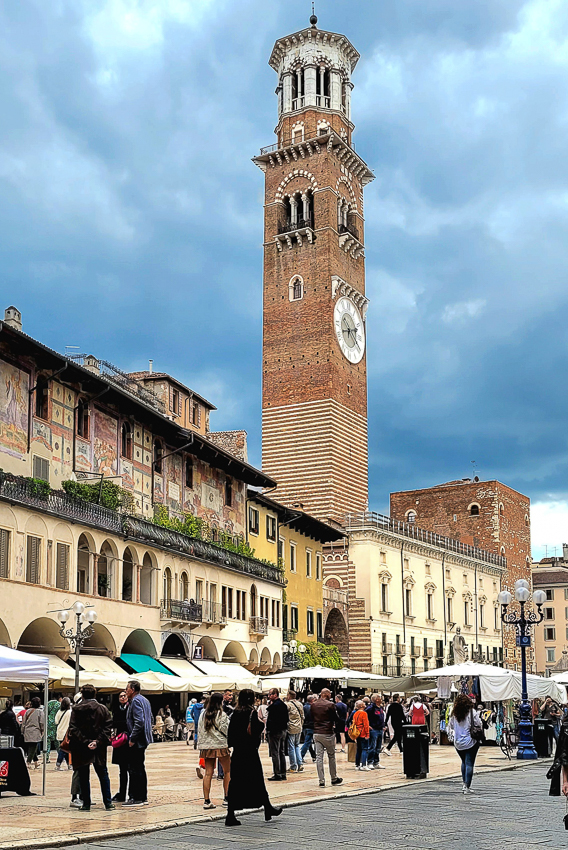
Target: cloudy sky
x=131 y=214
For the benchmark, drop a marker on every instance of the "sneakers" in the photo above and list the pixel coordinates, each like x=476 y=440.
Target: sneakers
x=76 y=803
x=322 y=784
x=292 y=769
x=386 y=752
x=300 y=768
x=367 y=767
x=209 y=805
x=134 y=803
x=110 y=807
x=378 y=766
x=336 y=781
x=467 y=790
x=57 y=767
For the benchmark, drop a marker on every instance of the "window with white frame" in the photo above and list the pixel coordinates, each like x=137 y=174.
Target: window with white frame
x=292 y=557
x=318 y=567
x=308 y=563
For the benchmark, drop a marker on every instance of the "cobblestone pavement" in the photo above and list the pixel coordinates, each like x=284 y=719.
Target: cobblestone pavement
x=175 y=795
x=509 y=809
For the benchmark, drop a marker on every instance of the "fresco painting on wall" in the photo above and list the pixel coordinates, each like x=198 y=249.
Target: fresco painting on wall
x=14 y=398
x=82 y=455
x=105 y=444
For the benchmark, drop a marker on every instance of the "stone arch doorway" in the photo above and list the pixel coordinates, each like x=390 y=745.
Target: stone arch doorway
x=174 y=647
x=336 y=632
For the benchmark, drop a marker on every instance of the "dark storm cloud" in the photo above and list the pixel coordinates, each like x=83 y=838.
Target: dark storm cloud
x=131 y=215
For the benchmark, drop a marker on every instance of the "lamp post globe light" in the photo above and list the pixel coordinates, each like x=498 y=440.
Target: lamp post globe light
x=523 y=623
x=79 y=632
x=291 y=652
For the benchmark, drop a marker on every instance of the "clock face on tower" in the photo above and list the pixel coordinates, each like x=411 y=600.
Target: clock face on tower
x=349 y=329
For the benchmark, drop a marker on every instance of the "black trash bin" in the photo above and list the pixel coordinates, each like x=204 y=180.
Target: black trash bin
x=415 y=755
x=542 y=737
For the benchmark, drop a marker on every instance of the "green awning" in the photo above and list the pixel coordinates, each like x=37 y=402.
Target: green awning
x=144 y=663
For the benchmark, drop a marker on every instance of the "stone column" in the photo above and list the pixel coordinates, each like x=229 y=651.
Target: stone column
x=287 y=83
x=293 y=210
x=298 y=86
x=310 y=77
x=322 y=83
x=336 y=90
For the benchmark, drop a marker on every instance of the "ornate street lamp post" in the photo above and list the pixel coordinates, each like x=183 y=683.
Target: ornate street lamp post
x=523 y=623
x=290 y=652
x=84 y=629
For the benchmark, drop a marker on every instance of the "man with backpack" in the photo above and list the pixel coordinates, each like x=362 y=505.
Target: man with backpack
x=295 y=724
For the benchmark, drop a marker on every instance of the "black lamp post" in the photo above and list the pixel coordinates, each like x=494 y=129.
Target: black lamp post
x=523 y=623
x=82 y=632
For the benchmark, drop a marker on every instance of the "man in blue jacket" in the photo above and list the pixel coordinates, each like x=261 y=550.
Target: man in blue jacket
x=139 y=729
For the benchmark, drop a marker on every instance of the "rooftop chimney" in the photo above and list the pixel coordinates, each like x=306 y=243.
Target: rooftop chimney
x=13 y=318
x=565 y=551
x=150 y=366
x=92 y=364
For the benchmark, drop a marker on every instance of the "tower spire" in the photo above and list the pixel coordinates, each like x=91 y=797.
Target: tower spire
x=313 y=19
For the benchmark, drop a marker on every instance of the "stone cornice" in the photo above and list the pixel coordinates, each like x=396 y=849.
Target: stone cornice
x=419 y=547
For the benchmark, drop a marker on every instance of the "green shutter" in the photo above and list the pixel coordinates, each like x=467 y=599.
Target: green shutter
x=62 y=573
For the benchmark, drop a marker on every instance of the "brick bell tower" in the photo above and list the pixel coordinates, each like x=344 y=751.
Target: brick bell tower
x=314 y=401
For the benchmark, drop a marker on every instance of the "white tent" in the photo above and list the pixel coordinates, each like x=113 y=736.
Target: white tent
x=498 y=684
x=20 y=668
x=223 y=674
x=345 y=674
x=468 y=668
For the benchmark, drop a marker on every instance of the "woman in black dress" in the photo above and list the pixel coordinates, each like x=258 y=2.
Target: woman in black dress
x=246 y=788
x=9 y=724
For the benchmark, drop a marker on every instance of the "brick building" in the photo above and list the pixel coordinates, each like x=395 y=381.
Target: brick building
x=314 y=426
x=485 y=514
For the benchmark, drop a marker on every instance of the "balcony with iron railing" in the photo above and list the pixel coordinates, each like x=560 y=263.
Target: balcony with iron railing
x=349 y=228
x=286 y=143
x=386 y=648
x=258 y=626
x=370 y=521
x=176 y=610
x=291 y=226
x=212 y=613
x=26 y=492
x=400 y=650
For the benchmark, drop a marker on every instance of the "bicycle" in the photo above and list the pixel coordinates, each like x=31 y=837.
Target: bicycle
x=509 y=741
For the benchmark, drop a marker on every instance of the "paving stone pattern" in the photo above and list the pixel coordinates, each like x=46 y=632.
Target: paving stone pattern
x=509 y=809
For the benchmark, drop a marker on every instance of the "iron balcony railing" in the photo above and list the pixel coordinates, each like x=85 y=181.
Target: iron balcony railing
x=368 y=520
x=386 y=648
x=349 y=228
x=212 y=612
x=259 y=625
x=334 y=594
x=286 y=143
x=22 y=491
x=185 y=612
x=415 y=652
x=400 y=650
x=291 y=226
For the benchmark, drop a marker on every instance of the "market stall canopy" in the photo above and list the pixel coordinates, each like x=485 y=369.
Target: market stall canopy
x=227 y=675
x=468 y=668
x=398 y=684
x=501 y=689
x=100 y=671
x=19 y=667
x=185 y=670
x=144 y=663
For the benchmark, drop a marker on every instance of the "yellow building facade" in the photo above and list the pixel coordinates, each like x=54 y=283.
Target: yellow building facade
x=294 y=540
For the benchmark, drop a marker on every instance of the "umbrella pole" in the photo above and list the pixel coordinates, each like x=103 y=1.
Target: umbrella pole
x=45 y=701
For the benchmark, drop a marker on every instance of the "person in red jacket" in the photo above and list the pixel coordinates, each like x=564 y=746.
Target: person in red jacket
x=361 y=722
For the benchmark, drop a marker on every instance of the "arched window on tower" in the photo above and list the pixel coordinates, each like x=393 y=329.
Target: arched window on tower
x=474 y=510
x=323 y=87
x=296 y=289
x=298 y=89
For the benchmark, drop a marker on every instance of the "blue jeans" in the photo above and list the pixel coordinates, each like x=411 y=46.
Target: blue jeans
x=362 y=751
x=375 y=743
x=62 y=756
x=308 y=741
x=294 y=750
x=468 y=762
x=85 y=781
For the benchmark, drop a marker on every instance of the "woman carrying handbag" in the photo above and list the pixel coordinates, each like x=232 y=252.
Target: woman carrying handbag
x=119 y=744
x=466 y=729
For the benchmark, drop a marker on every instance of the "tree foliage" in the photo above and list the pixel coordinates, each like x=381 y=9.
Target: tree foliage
x=321 y=653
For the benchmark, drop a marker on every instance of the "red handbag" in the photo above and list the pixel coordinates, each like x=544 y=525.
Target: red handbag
x=119 y=740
